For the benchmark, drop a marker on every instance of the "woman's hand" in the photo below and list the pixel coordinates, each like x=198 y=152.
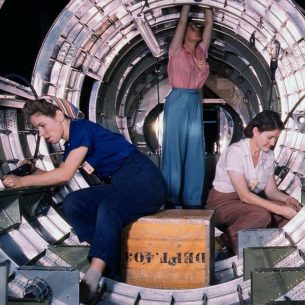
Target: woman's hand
x=11 y=181
x=286 y=211
x=293 y=203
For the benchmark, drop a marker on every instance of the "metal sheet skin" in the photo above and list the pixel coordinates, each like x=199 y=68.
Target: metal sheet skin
x=97 y=43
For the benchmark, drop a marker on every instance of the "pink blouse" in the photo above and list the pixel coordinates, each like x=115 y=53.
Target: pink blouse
x=186 y=70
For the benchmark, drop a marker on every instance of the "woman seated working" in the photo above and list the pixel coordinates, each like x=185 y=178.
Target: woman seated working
x=244 y=193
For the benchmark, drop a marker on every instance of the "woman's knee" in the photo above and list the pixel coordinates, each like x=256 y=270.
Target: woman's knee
x=260 y=217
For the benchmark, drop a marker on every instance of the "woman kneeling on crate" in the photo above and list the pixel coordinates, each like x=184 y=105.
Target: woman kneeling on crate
x=135 y=185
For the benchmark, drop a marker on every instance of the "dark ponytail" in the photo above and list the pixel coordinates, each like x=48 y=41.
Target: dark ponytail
x=266 y=120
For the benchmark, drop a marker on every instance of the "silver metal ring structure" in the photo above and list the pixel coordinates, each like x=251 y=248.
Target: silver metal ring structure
x=114 y=52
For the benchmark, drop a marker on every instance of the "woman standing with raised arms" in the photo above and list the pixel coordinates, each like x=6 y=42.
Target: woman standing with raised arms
x=183 y=141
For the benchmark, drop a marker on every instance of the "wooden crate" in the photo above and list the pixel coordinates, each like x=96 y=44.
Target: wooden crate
x=173 y=249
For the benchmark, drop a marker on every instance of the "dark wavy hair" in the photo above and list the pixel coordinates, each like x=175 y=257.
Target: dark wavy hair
x=266 y=120
x=39 y=106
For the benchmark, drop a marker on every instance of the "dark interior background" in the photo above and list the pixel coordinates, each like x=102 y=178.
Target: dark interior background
x=23 y=27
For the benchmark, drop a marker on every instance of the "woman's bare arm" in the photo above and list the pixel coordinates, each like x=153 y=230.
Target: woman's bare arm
x=208 y=27
x=239 y=183
x=56 y=176
x=273 y=193
x=177 y=40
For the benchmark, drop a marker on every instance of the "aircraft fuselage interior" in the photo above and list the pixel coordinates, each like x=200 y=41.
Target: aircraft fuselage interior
x=109 y=58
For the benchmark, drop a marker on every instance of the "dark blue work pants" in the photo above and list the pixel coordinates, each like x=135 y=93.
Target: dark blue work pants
x=99 y=213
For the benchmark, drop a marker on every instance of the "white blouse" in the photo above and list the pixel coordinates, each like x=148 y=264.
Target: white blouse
x=237 y=158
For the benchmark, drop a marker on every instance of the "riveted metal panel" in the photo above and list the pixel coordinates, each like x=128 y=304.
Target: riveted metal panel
x=255 y=238
x=268 y=284
x=75 y=256
x=264 y=257
x=63 y=282
x=4 y=270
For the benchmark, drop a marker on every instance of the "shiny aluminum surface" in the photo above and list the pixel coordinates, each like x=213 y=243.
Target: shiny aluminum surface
x=101 y=41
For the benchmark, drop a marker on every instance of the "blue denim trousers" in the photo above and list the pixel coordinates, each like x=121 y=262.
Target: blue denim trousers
x=99 y=213
x=183 y=147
